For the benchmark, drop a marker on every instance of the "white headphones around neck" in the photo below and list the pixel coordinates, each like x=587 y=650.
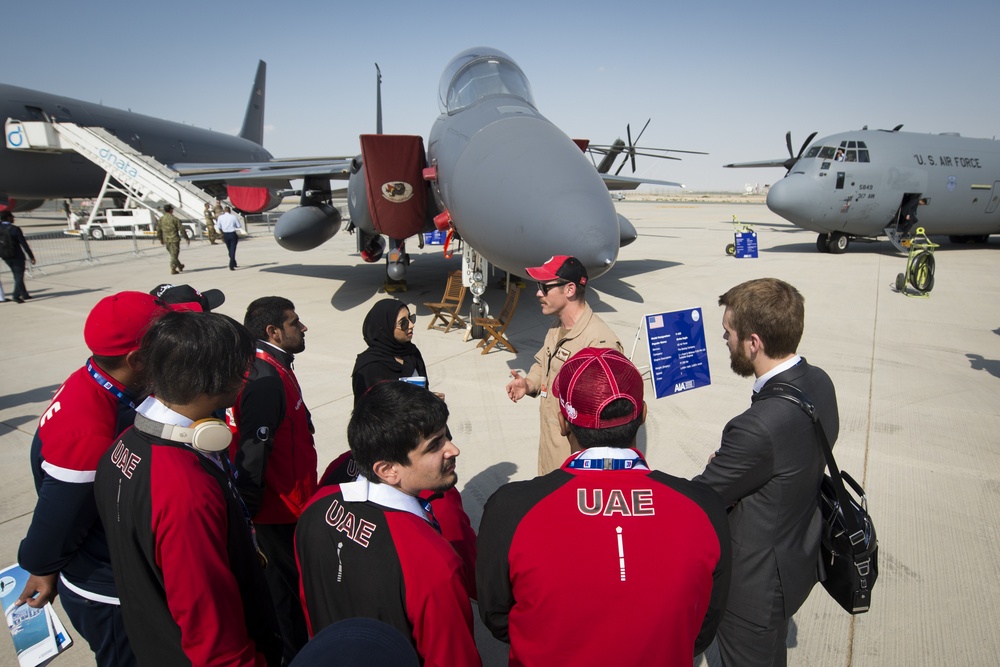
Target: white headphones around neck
x=206 y=435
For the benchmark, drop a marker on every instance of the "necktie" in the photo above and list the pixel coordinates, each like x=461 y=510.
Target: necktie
x=430 y=514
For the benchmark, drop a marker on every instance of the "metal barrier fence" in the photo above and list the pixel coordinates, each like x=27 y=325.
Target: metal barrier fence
x=58 y=252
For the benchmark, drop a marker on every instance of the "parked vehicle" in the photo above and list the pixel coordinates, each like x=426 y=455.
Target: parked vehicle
x=124 y=223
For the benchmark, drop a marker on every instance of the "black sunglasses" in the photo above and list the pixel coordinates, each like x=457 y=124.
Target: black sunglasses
x=405 y=322
x=545 y=287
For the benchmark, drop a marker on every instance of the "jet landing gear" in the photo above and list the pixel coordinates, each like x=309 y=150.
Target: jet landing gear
x=834 y=242
x=919 y=266
x=474 y=268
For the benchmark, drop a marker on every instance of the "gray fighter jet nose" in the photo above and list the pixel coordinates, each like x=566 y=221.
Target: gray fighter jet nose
x=561 y=206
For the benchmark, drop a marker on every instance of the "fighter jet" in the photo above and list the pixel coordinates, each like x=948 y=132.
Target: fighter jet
x=27 y=179
x=854 y=185
x=496 y=174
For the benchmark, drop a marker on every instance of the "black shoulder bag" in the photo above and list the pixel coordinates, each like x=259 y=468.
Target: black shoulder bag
x=848 y=547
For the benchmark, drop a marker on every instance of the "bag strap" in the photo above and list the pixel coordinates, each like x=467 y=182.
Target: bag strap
x=795 y=395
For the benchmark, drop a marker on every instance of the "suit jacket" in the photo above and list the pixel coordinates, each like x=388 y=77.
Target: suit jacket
x=768 y=470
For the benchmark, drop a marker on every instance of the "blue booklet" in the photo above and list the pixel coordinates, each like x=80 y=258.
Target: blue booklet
x=39 y=635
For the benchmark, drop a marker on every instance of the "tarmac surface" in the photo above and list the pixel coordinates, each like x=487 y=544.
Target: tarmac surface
x=918 y=383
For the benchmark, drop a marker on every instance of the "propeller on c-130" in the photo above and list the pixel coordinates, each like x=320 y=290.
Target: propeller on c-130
x=792 y=157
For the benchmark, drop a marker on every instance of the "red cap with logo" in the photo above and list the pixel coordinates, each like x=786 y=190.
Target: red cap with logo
x=116 y=324
x=560 y=267
x=593 y=378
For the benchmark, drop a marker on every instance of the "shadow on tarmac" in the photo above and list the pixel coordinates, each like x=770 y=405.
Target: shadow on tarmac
x=36 y=395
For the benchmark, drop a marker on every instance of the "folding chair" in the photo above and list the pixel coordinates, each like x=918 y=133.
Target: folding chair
x=447 y=309
x=494 y=327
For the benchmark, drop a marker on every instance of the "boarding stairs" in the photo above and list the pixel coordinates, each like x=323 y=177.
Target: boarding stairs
x=142 y=178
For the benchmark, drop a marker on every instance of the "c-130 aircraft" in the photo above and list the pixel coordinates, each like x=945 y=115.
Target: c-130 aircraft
x=854 y=185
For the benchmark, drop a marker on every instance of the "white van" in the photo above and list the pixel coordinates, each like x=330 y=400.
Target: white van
x=124 y=222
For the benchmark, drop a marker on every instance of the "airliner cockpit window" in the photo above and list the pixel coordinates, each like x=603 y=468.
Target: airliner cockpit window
x=812 y=152
x=478 y=73
x=827 y=152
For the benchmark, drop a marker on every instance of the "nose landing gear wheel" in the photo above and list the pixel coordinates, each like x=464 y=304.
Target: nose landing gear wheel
x=823 y=243
x=478 y=310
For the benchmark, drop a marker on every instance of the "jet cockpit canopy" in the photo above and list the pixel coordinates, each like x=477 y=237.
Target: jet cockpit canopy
x=481 y=72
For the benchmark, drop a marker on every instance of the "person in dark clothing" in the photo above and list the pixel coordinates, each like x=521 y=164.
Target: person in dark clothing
x=391 y=354
x=908 y=216
x=13 y=249
x=768 y=470
x=182 y=547
x=274 y=454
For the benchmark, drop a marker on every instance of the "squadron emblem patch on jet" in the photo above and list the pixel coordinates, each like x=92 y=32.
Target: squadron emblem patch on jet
x=397 y=191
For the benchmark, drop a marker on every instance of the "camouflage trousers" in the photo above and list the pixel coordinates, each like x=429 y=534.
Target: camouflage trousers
x=174 y=248
x=212 y=235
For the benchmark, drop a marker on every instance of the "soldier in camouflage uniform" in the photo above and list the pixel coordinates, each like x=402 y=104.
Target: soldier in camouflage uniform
x=210 y=223
x=169 y=231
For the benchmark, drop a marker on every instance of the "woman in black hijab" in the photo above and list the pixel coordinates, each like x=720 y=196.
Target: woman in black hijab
x=388 y=331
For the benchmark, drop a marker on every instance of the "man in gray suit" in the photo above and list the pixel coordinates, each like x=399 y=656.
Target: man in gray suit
x=768 y=471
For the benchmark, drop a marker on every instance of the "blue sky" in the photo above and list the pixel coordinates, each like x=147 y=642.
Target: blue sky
x=728 y=78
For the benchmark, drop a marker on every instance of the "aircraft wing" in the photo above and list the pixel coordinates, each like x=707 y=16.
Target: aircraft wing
x=754 y=165
x=631 y=183
x=261 y=173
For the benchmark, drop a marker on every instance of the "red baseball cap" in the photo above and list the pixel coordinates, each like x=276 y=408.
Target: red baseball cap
x=590 y=380
x=116 y=324
x=560 y=267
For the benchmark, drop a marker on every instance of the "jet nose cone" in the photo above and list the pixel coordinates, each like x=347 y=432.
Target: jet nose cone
x=521 y=191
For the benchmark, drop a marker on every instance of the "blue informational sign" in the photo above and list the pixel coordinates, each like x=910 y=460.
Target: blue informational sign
x=746 y=245
x=437 y=237
x=677 y=352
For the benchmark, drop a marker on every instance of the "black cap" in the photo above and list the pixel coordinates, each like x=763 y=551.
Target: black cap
x=185 y=294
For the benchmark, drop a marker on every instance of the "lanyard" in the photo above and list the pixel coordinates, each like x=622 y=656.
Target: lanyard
x=606 y=464
x=109 y=385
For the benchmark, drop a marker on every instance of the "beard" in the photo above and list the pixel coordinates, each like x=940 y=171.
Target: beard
x=740 y=363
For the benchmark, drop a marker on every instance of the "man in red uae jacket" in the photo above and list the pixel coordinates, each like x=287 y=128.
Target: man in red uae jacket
x=447 y=507
x=372 y=548
x=182 y=549
x=65 y=546
x=604 y=561
x=274 y=454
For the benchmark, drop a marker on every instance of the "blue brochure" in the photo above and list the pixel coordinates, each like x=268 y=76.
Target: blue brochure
x=38 y=634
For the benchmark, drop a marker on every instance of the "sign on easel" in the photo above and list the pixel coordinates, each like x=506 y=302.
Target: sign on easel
x=746 y=245
x=677 y=351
